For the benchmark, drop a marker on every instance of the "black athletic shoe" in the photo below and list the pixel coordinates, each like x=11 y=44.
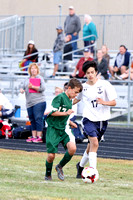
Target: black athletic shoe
x=60 y=173
x=79 y=170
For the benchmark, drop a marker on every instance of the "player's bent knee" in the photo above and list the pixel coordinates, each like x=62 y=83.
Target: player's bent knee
x=50 y=157
x=71 y=148
x=95 y=144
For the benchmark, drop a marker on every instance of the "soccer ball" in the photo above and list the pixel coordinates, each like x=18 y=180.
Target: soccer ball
x=89 y=175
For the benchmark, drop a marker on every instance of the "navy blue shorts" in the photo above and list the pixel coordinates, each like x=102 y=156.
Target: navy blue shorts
x=94 y=129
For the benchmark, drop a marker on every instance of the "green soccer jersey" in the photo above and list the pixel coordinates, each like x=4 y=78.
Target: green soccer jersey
x=60 y=103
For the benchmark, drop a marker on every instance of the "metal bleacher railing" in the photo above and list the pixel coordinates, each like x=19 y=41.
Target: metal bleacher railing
x=11 y=34
x=81 y=39
x=14 y=70
x=124 y=88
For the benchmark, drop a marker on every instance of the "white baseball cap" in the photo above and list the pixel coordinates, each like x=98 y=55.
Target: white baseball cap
x=71 y=7
x=31 y=42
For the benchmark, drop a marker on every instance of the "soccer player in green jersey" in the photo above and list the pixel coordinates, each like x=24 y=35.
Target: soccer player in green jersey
x=57 y=119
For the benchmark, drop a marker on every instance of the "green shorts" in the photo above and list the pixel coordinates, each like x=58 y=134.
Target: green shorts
x=54 y=137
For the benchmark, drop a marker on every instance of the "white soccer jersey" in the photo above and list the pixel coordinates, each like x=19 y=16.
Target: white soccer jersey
x=101 y=89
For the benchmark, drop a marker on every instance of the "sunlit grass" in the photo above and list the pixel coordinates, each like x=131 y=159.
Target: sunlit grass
x=22 y=178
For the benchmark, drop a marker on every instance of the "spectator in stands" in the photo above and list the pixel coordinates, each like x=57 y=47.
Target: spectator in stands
x=125 y=75
x=105 y=53
x=72 y=26
x=89 y=29
x=6 y=108
x=58 y=49
x=102 y=65
x=79 y=65
x=35 y=101
x=121 y=62
x=67 y=48
x=31 y=49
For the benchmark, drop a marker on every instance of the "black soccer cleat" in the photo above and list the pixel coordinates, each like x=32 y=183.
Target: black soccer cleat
x=48 y=178
x=79 y=170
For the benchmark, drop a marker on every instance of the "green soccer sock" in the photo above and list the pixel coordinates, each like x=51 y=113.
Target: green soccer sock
x=67 y=157
x=48 y=168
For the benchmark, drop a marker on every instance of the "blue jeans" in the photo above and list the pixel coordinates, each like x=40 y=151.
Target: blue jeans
x=36 y=114
x=74 y=45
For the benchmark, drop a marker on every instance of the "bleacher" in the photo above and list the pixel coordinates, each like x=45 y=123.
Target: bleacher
x=11 y=78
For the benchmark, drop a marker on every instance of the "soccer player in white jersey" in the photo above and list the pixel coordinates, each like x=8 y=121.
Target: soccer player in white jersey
x=97 y=96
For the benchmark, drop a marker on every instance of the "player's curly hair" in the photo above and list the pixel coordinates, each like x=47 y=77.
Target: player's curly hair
x=89 y=64
x=75 y=83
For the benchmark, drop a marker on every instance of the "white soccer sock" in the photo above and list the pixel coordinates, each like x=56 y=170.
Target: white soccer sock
x=93 y=159
x=84 y=159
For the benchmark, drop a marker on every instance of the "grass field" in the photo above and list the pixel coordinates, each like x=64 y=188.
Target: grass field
x=22 y=178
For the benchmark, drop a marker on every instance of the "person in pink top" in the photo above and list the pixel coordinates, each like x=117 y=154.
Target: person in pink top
x=34 y=89
x=80 y=63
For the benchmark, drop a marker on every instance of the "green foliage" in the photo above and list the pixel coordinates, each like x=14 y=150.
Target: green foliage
x=22 y=178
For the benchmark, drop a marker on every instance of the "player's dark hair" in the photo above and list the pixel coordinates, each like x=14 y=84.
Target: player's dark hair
x=89 y=64
x=75 y=83
x=65 y=84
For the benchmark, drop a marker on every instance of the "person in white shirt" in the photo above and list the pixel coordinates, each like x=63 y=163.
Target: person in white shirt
x=97 y=96
x=6 y=108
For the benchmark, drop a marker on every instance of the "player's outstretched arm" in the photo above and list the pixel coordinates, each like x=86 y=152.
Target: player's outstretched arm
x=58 y=113
x=106 y=103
